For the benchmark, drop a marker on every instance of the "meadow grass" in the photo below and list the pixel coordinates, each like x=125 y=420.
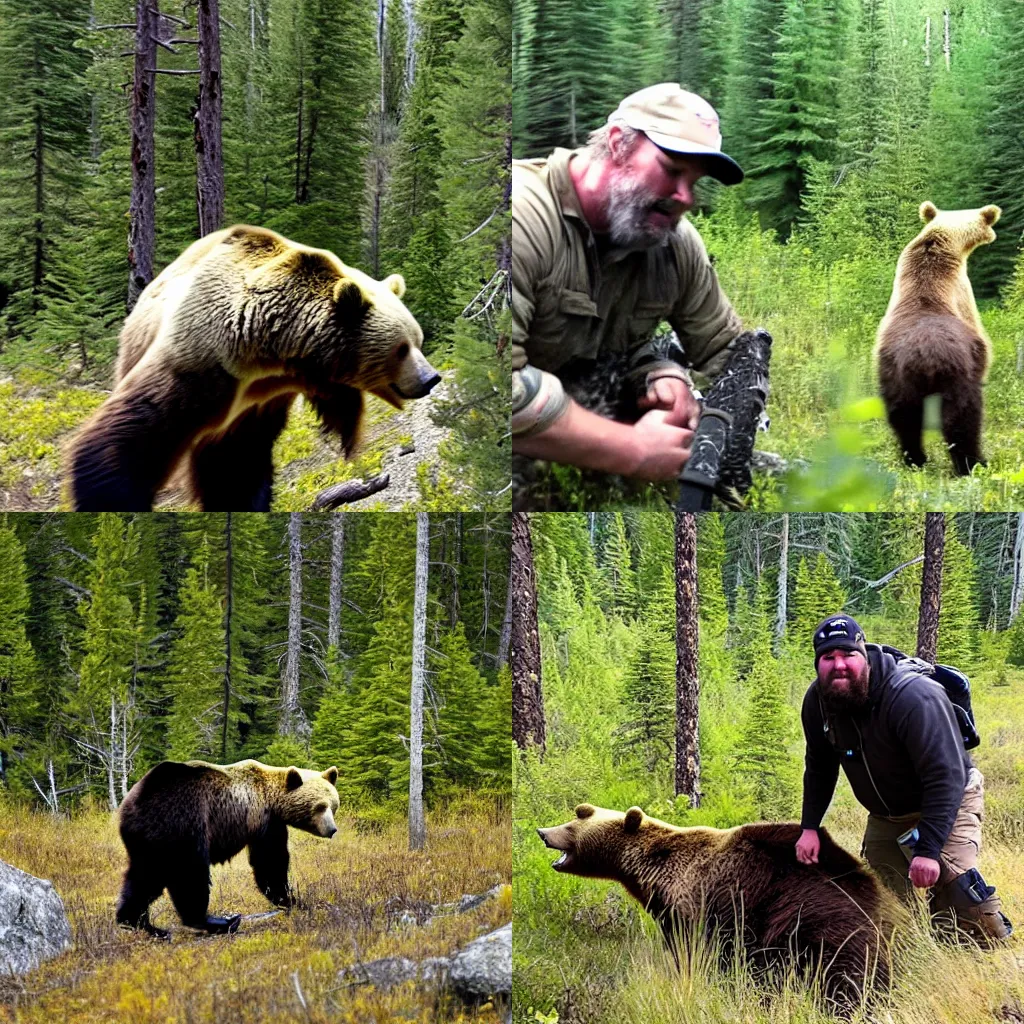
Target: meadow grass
x=585 y=952
x=351 y=890
x=39 y=419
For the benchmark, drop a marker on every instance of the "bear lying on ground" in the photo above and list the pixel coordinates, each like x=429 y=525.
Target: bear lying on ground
x=931 y=341
x=180 y=818
x=834 y=915
x=213 y=355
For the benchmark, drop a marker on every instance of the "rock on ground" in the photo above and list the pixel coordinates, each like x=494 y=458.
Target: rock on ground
x=484 y=968
x=33 y=924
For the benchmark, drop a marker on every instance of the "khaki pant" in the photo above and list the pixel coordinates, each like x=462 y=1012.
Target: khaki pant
x=984 y=921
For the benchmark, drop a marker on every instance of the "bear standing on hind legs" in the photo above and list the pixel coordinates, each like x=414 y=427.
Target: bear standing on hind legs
x=180 y=818
x=931 y=341
x=215 y=352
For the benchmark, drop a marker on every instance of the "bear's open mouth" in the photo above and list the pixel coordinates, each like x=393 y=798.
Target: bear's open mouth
x=562 y=861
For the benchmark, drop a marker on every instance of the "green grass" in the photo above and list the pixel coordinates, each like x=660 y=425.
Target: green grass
x=344 y=886
x=584 y=951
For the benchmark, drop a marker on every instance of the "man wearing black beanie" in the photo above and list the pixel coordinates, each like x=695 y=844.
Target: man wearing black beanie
x=893 y=729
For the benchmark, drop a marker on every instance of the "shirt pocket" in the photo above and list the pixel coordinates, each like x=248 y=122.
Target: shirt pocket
x=562 y=329
x=644 y=320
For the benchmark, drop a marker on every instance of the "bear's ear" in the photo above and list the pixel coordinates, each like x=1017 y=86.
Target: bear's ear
x=928 y=211
x=634 y=816
x=349 y=300
x=331 y=775
x=396 y=283
x=990 y=214
x=585 y=811
x=293 y=779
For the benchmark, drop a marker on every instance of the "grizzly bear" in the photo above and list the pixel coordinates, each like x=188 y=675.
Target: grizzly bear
x=931 y=341
x=213 y=355
x=742 y=886
x=180 y=818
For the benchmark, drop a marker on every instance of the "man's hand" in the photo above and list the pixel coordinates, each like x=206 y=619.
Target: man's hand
x=656 y=447
x=673 y=394
x=807 y=846
x=924 y=872
x=662 y=445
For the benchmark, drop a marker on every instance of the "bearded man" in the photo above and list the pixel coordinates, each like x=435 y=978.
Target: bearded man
x=892 y=728
x=601 y=256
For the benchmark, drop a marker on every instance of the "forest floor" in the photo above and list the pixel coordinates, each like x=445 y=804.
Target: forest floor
x=38 y=419
x=585 y=953
x=352 y=891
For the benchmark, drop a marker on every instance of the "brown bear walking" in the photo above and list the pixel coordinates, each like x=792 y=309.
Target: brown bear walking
x=931 y=341
x=180 y=818
x=834 y=915
x=213 y=355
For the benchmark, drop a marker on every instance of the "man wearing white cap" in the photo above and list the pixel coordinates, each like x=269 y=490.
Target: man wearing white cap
x=601 y=255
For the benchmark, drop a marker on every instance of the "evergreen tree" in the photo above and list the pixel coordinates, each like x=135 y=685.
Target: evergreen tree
x=195 y=675
x=958 y=613
x=617 y=568
x=20 y=713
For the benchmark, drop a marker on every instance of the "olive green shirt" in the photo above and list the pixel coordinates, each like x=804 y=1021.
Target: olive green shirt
x=573 y=299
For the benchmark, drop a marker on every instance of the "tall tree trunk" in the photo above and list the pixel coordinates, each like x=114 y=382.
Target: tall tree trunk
x=1017 y=593
x=207 y=117
x=506 y=626
x=292 y=720
x=527 y=695
x=417 y=826
x=112 y=755
x=142 y=206
x=337 y=565
x=783 y=583
x=39 y=172
x=687 y=679
x=229 y=609
x=931 y=585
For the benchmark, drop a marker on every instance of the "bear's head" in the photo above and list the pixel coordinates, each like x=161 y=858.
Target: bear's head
x=950 y=236
x=612 y=844
x=308 y=799
x=391 y=364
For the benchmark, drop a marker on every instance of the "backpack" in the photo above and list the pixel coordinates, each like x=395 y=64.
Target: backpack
x=957 y=687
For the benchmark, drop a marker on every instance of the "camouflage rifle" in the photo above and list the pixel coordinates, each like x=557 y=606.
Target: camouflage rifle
x=723 y=443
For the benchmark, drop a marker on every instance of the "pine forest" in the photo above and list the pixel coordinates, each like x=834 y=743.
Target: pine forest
x=611 y=723
x=846 y=116
x=376 y=644
x=377 y=129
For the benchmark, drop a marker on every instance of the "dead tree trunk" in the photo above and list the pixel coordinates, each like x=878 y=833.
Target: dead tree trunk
x=142 y=205
x=1017 y=593
x=687 y=680
x=527 y=695
x=337 y=565
x=292 y=721
x=931 y=585
x=207 y=121
x=780 y=603
x=417 y=826
x=506 y=627
x=229 y=606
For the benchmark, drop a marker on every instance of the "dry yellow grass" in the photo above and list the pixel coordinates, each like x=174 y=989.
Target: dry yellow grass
x=352 y=890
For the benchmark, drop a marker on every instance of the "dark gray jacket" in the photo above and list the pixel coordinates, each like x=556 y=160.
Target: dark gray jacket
x=903 y=752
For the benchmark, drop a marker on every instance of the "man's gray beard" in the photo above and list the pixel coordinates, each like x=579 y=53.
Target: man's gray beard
x=853 y=700
x=629 y=203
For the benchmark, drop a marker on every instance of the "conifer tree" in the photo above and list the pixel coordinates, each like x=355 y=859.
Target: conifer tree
x=617 y=568
x=195 y=674
x=958 y=613
x=20 y=711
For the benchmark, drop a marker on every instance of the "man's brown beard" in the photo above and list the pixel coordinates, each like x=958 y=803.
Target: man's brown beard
x=852 y=699
x=629 y=203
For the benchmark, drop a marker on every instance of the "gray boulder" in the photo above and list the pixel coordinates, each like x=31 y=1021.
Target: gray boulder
x=395 y=970
x=33 y=924
x=483 y=969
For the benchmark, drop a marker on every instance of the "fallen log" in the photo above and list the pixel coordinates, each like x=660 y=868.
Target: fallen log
x=350 y=490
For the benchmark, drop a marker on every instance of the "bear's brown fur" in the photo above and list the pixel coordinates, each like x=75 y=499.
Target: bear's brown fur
x=931 y=341
x=180 y=818
x=213 y=355
x=834 y=915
